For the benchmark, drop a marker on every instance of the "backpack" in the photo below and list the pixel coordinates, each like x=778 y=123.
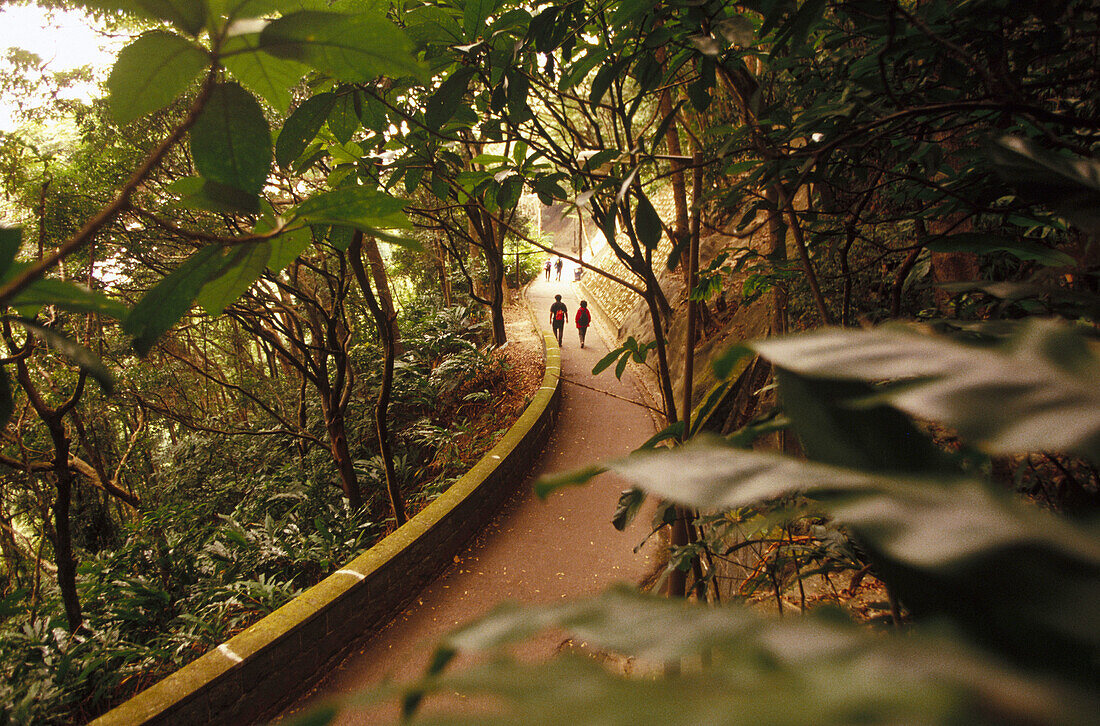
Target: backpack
x=559 y=315
x=583 y=318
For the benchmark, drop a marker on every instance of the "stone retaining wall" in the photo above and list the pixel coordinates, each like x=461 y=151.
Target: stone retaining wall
x=248 y=677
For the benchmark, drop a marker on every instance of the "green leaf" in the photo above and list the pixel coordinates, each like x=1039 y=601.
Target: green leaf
x=321 y=715
x=231 y=141
x=361 y=207
x=448 y=97
x=627 y=10
x=152 y=72
x=1070 y=185
x=413 y=175
x=474 y=14
x=69 y=296
x=340 y=237
x=518 y=88
x=241 y=266
x=547 y=485
x=725 y=364
x=354 y=48
x=198 y=193
x=630 y=503
x=600 y=158
x=1024 y=249
x=187 y=15
x=88 y=361
x=605 y=362
x=602 y=82
x=171 y=298
x=235 y=9
x=343 y=120
x=800 y=25
x=835 y=426
x=373 y=114
x=11 y=238
x=510 y=191
x=620 y=367
x=754 y=670
x=647 y=222
x=1041 y=393
x=287 y=246
x=271 y=78
x=302 y=128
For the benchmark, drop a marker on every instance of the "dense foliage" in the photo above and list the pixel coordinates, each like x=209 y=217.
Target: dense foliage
x=859 y=161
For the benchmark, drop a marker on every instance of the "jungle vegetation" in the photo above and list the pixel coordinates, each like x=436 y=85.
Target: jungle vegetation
x=909 y=186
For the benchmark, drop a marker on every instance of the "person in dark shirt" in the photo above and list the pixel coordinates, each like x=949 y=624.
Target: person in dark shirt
x=557 y=267
x=558 y=315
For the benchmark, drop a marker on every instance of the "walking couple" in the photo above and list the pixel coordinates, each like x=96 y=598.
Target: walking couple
x=559 y=313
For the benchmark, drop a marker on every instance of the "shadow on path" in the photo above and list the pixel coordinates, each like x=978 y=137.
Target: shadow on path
x=533 y=551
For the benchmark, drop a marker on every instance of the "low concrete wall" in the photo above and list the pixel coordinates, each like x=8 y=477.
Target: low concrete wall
x=247 y=677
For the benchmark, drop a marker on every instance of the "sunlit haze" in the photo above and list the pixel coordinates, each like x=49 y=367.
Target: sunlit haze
x=63 y=39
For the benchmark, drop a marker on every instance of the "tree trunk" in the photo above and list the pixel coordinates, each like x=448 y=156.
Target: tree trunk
x=338 y=444
x=382 y=284
x=63 y=550
x=444 y=276
x=381 y=408
x=679 y=189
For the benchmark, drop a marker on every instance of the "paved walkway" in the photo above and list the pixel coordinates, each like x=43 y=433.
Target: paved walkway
x=534 y=551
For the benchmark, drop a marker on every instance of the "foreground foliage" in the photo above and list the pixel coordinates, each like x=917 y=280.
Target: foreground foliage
x=866 y=159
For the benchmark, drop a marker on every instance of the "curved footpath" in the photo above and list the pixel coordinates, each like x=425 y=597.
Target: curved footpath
x=532 y=551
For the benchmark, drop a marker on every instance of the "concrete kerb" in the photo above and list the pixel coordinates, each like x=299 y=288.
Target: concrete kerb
x=239 y=681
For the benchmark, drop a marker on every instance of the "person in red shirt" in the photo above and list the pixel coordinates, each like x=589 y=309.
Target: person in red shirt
x=583 y=320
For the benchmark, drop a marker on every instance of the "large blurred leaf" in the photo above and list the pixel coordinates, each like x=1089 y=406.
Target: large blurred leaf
x=196 y=192
x=171 y=298
x=68 y=296
x=231 y=141
x=235 y=9
x=187 y=15
x=287 y=246
x=152 y=72
x=836 y=426
x=1042 y=393
x=88 y=361
x=790 y=671
x=241 y=266
x=360 y=206
x=1070 y=185
x=1070 y=304
x=269 y=77
x=1023 y=249
x=10 y=240
x=1019 y=580
x=302 y=127
x=355 y=48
